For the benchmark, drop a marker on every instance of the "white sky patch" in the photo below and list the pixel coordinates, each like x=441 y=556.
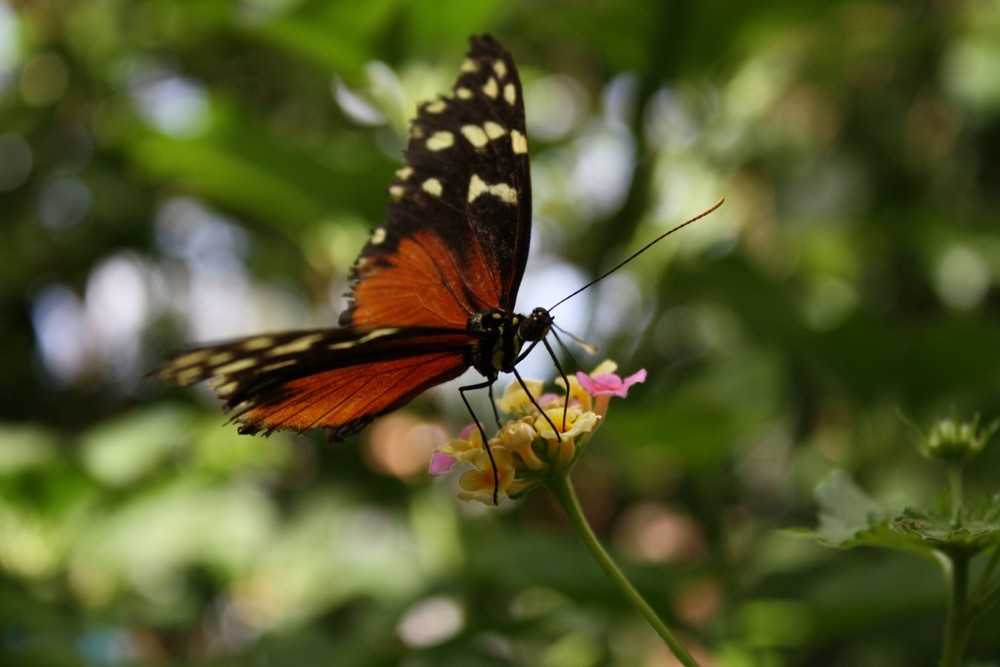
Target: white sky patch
x=173 y=104
x=600 y=178
x=61 y=334
x=117 y=310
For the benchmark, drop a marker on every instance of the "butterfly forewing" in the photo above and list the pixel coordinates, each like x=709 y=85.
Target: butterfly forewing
x=456 y=238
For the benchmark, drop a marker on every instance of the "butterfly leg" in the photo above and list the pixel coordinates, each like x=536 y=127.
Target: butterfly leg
x=488 y=385
x=562 y=374
x=532 y=398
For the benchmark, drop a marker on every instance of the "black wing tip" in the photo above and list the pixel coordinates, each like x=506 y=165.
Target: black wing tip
x=332 y=433
x=346 y=318
x=484 y=39
x=486 y=45
x=344 y=431
x=252 y=429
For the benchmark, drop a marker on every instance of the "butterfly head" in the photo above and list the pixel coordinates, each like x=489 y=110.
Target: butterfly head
x=536 y=326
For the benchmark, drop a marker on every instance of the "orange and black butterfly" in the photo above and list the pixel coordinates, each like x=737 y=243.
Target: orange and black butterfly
x=432 y=292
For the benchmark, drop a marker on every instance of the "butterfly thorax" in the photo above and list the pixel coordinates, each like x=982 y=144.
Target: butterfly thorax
x=503 y=334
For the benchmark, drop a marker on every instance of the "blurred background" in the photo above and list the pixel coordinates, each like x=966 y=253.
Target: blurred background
x=173 y=172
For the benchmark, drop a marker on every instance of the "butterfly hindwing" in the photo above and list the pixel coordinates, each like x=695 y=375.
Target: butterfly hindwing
x=339 y=379
x=455 y=242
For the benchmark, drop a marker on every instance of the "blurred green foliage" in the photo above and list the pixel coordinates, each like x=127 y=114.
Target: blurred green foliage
x=181 y=171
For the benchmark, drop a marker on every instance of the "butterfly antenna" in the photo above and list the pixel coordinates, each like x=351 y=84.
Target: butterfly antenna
x=640 y=251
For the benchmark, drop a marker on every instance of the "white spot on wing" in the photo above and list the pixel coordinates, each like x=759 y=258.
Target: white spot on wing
x=440 y=141
x=510 y=93
x=476 y=135
x=507 y=194
x=220 y=358
x=433 y=186
x=223 y=388
x=436 y=106
x=491 y=89
x=501 y=191
x=518 y=142
x=257 y=343
x=188 y=376
x=378 y=235
x=300 y=344
x=493 y=130
x=278 y=365
x=367 y=338
x=500 y=67
x=404 y=173
x=236 y=366
x=476 y=187
x=469 y=65
x=463 y=93
x=191 y=358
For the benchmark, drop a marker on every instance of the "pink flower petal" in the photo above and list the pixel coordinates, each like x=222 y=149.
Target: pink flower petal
x=610 y=384
x=441 y=464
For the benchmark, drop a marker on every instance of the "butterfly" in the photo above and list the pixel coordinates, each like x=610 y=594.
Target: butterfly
x=432 y=293
x=433 y=290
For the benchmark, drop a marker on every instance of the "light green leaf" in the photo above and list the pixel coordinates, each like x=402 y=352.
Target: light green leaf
x=849 y=518
x=845 y=510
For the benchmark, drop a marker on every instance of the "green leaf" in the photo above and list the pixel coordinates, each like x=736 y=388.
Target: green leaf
x=845 y=510
x=975 y=530
x=849 y=518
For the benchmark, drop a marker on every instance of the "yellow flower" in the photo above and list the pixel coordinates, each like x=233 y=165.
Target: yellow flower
x=515 y=401
x=545 y=436
x=518 y=438
x=563 y=449
x=480 y=483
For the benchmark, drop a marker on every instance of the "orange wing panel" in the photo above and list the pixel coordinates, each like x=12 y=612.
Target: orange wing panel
x=346 y=399
x=423 y=284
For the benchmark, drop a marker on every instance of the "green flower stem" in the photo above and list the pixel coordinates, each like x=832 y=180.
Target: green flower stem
x=988 y=601
x=987 y=574
x=955 y=482
x=562 y=489
x=959 y=623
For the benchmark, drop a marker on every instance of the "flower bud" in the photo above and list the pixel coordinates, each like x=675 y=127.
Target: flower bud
x=958 y=442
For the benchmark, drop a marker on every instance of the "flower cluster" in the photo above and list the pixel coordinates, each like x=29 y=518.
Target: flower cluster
x=535 y=443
